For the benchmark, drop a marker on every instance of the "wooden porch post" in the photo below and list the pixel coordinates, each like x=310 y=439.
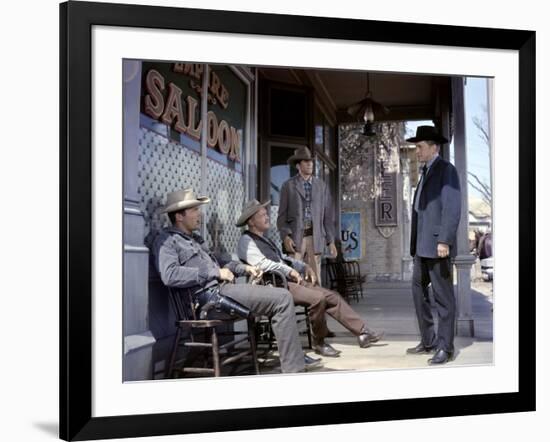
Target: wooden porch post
x=463 y=260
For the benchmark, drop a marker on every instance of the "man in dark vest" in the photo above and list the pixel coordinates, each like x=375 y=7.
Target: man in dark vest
x=257 y=250
x=435 y=218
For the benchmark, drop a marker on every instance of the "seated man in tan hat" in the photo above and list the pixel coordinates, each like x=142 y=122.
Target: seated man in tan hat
x=184 y=261
x=257 y=250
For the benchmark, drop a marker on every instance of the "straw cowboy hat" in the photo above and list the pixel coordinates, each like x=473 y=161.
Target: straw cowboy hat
x=249 y=211
x=427 y=133
x=183 y=199
x=300 y=154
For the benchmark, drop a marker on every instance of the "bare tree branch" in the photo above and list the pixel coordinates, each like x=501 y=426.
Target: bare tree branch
x=474 y=181
x=484 y=185
x=484 y=196
x=483 y=129
x=482 y=188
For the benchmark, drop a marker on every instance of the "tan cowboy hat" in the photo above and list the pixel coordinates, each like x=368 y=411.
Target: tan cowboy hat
x=250 y=209
x=183 y=199
x=300 y=154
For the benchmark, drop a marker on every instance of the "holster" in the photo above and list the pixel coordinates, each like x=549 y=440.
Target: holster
x=211 y=304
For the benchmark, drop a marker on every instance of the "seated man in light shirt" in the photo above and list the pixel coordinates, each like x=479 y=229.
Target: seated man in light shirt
x=257 y=250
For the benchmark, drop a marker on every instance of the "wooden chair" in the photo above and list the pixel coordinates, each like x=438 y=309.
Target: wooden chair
x=345 y=278
x=202 y=335
x=353 y=272
x=264 y=332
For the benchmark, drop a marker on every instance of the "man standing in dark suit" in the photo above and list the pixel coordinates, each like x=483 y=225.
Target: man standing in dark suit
x=435 y=218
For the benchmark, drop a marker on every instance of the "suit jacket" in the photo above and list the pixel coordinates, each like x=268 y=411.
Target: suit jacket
x=438 y=211
x=290 y=220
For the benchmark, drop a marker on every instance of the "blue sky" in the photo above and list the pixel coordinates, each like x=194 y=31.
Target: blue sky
x=475 y=95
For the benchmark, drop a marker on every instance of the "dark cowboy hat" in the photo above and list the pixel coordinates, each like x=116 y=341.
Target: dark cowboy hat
x=427 y=133
x=300 y=154
x=250 y=209
x=183 y=199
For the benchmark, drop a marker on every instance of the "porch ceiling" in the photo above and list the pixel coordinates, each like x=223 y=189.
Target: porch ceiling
x=408 y=96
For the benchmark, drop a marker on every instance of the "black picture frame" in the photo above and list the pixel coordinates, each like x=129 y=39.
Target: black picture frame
x=76 y=21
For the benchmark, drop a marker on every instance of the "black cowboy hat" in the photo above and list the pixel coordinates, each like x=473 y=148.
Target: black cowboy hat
x=427 y=133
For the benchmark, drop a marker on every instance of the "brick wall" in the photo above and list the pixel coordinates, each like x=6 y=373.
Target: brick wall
x=384 y=250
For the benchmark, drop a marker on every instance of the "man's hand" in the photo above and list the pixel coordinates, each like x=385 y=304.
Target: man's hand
x=290 y=247
x=442 y=250
x=295 y=276
x=226 y=275
x=255 y=272
x=332 y=250
x=310 y=275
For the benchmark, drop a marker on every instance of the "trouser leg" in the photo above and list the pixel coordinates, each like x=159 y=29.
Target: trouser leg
x=340 y=310
x=306 y=253
x=420 y=281
x=441 y=276
x=316 y=303
x=318 y=269
x=312 y=259
x=300 y=251
x=278 y=304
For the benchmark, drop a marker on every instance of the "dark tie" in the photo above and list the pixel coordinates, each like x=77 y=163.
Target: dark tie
x=420 y=185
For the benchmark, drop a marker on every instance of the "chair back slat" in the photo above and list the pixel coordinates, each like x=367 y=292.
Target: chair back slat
x=182 y=303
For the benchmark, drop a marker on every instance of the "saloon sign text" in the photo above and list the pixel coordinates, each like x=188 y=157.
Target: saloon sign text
x=179 y=112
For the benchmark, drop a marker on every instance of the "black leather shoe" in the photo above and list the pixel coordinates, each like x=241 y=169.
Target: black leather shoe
x=364 y=340
x=374 y=336
x=311 y=363
x=441 y=357
x=420 y=349
x=325 y=349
